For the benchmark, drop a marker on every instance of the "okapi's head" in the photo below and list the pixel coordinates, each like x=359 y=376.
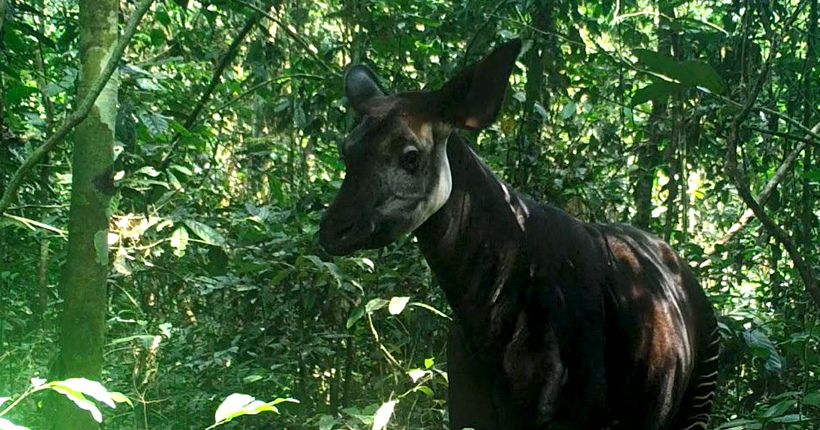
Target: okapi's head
x=397 y=173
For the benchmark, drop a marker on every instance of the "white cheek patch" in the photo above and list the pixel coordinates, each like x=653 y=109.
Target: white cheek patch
x=439 y=195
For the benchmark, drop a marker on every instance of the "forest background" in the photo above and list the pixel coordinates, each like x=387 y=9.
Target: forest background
x=184 y=265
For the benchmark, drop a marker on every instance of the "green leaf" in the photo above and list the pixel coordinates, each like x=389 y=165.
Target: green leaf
x=761 y=346
x=357 y=314
x=326 y=422
x=182 y=169
x=540 y=111
x=779 y=408
x=375 y=304
x=78 y=399
x=148 y=170
x=101 y=247
x=656 y=62
x=251 y=379
x=382 y=416
x=240 y=404
x=417 y=374
x=812 y=175
x=697 y=73
x=17 y=93
x=656 y=92
x=148 y=84
x=397 y=305
x=8 y=425
x=120 y=398
x=4 y=400
x=811 y=399
x=424 y=389
x=87 y=387
x=206 y=233
x=741 y=424
x=568 y=111
x=791 y=418
x=179 y=241
x=154 y=122
x=428 y=363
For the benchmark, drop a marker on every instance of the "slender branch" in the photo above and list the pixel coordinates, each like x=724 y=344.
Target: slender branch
x=787 y=136
x=812 y=134
x=83 y=109
x=260 y=85
x=293 y=35
x=761 y=198
x=216 y=77
x=227 y=59
x=742 y=186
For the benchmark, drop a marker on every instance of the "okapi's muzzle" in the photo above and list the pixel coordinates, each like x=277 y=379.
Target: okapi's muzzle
x=343 y=232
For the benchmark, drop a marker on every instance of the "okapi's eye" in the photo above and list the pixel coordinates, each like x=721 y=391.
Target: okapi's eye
x=410 y=159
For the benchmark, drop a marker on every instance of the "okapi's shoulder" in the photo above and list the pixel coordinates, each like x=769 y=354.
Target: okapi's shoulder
x=634 y=248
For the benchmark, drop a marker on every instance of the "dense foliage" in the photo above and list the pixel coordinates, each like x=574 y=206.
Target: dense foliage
x=228 y=118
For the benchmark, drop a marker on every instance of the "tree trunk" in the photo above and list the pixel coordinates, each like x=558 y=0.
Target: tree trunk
x=3 y=5
x=530 y=124
x=648 y=154
x=808 y=219
x=83 y=287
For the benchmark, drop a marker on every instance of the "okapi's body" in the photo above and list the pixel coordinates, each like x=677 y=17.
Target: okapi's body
x=558 y=324
x=585 y=326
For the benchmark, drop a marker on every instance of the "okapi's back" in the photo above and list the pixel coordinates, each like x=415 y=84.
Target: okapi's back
x=662 y=339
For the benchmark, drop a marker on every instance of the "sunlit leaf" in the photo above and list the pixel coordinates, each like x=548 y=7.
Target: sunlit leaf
x=78 y=399
x=382 y=416
x=375 y=304
x=179 y=241
x=397 y=305
x=89 y=388
x=240 y=404
x=8 y=425
x=417 y=374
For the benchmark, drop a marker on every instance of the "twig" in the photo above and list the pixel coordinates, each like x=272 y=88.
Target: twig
x=83 y=109
x=787 y=136
x=260 y=85
x=292 y=34
x=742 y=186
x=226 y=60
x=761 y=198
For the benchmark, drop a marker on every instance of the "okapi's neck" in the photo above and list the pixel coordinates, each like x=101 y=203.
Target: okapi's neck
x=473 y=242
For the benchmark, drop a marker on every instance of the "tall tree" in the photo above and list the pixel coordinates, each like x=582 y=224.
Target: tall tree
x=83 y=287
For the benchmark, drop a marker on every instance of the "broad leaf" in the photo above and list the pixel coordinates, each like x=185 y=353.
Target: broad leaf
x=8 y=425
x=375 y=304
x=397 y=305
x=382 y=416
x=205 y=232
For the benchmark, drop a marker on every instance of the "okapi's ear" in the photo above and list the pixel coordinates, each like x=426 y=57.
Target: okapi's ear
x=361 y=86
x=472 y=99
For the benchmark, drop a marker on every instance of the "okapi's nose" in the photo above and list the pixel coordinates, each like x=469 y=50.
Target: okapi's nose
x=332 y=233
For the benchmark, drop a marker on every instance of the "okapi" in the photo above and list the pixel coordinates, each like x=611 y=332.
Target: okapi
x=557 y=323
